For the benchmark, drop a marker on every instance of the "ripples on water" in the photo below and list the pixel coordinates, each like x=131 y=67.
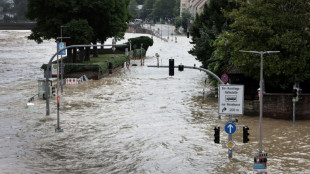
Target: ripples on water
x=134 y=121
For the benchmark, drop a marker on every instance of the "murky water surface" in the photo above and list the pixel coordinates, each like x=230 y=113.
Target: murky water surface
x=138 y=120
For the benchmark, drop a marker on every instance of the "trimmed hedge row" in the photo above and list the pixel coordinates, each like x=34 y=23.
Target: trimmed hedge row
x=100 y=67
x=138 y=52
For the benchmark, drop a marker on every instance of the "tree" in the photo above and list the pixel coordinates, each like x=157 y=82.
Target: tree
x=80 y=33
x=206 y=28
x=281 y=25
x=133 y=8
x=147 y=9
x=107 y=18
x=183 y=21
x=163 y=9
x=176 y=9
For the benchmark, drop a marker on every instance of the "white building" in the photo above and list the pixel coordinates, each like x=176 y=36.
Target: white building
x=184 y=4
x=193 y=6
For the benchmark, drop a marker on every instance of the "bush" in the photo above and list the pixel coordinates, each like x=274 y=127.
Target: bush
x=147 y=41
x=101 y=66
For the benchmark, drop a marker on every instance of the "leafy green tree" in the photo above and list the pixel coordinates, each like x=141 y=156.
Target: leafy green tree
x=176 y=9
x=80 y=33
x=183 y=21
x=206 y=28
x=147 y=9
x=107 y=18
x=133 y=8
x=264 y=25
x=163 y=9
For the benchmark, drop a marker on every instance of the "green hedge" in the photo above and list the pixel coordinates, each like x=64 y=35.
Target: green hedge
x=138 y=52
x=100 y=66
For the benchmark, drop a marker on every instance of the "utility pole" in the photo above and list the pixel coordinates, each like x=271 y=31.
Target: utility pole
x=261 y=154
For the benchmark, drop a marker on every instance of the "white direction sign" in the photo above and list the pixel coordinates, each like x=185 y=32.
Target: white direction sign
x=231 y=99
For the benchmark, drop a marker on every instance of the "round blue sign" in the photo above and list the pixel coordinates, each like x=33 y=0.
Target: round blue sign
x=230 y=128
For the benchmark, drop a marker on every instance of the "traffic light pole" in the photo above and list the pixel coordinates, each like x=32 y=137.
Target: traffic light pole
x=208 y=72
x=191 y=67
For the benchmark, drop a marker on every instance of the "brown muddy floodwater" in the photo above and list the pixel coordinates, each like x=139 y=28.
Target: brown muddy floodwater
x=138 y=120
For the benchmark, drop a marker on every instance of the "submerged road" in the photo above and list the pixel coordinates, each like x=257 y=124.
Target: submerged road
x=138 y=120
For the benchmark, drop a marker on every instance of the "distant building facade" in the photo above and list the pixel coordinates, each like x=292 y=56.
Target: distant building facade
x=193 y=6
x=184 y=4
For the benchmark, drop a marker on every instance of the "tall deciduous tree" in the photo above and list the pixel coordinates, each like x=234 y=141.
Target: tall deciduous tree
x=147 y=9
x=207 y=27
x=281 y=25
x=107 y=18
x=133 y=8
x=163 y=9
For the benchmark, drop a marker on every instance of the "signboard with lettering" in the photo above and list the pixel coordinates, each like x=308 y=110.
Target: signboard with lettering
x=231 y=99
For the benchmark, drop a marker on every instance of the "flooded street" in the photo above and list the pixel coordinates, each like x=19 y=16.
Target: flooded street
x=138 y=120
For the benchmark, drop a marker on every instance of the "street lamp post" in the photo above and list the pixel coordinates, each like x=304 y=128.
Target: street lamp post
x=261 y=53
x=260 y=154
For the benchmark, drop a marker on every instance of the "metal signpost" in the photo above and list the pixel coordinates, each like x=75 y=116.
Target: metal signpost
x=231 y=99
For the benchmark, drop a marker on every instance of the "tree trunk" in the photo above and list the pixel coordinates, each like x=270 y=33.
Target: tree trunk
x=87 y=54
x=81 y=54
x=74 y=56
x=95 y=50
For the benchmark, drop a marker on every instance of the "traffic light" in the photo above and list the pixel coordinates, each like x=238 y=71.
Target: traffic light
x=171 y=67
x=181 y=67
x=245 y=134
x=294 y=92
x=54 y=91
x=217 y=135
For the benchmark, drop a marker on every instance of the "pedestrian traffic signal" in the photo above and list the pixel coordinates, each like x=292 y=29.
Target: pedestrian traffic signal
x=171 y=67
x=245 y=134
x=217 y=135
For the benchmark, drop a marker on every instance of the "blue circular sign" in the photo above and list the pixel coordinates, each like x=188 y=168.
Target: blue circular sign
x=230 y=128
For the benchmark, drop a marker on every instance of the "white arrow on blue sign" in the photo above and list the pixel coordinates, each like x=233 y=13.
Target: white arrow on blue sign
x=230 y=128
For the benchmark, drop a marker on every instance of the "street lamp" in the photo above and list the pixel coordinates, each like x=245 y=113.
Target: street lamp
x=261 y=53
x=260 y=158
